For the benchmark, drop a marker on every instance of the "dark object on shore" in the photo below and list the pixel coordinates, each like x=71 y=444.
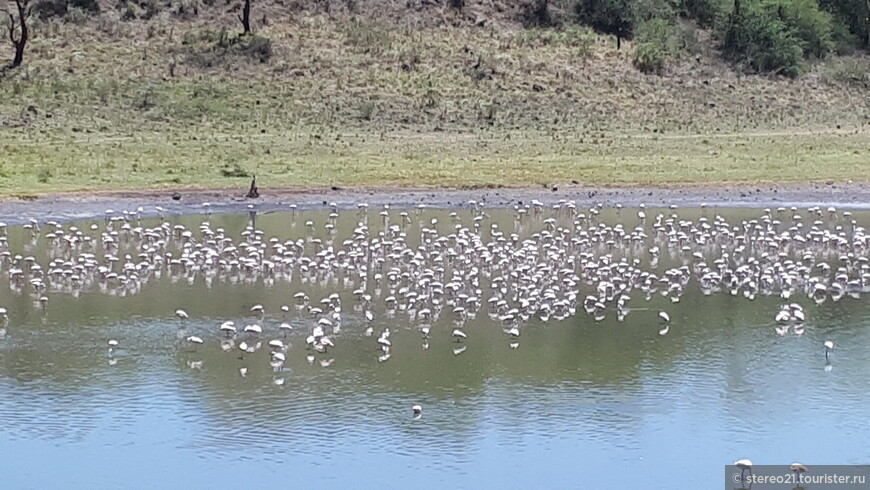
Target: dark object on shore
x=253 y=192
x=176 y=196
x=335 y=188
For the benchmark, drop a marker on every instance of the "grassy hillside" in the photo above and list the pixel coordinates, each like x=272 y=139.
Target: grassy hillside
x=416 y=94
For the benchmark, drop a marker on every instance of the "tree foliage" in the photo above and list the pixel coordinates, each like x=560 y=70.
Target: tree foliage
x=852 y=17
x=777 y=35
x=764 y=35
x=608 y=16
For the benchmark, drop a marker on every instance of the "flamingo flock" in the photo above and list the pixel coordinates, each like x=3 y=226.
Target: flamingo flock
x=423 y=271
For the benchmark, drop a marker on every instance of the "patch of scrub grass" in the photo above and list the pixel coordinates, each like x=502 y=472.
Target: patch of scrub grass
x=234 y=172
x=440 y=159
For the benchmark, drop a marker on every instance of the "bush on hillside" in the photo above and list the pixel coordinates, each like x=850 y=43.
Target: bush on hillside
x=775 y=36
x=650 y=58
x=809 y=24
x=656 y=42
x=644 y=10
x=536 y=13
x=704 y=12
x=210 y=48
x=844 y=41
x=614 y=17
x=852 y=17
x=46 y=9
x=138 y=9
x=848 y=71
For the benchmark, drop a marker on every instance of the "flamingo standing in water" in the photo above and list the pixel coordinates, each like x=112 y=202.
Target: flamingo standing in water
x=744 y=465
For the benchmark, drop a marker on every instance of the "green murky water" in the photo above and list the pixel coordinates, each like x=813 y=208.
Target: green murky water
x=570 y=403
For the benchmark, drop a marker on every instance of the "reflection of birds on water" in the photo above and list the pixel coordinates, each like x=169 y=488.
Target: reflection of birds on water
x=829 y=347
x=418 y=270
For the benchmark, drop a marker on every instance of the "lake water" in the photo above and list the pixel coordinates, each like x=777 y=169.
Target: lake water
x=574 y=403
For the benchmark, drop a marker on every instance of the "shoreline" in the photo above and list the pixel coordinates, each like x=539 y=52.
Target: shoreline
x=65 y=207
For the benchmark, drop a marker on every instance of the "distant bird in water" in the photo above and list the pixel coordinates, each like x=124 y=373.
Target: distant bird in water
x=417 y=411
x=181 y=314
x=744 y=465
x=228 y=328
x=258 y=309
x=194 y=341
x=798 y=468
x=829 y=346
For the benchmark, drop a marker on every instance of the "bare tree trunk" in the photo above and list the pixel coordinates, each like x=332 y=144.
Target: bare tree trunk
x=23 y=36
x=867 y=23
x=245 y=18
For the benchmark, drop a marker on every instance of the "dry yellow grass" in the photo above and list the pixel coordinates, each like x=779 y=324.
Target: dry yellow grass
x=351 y=100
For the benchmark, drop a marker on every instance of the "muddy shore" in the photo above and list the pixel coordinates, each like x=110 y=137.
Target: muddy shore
x=70 y=207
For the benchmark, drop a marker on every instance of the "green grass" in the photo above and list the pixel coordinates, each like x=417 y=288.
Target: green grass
x=280 y=159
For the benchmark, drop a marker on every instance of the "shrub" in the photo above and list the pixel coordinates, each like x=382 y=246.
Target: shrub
x=44 y=176
x=368 y=38
x=608 y=16
x=704 y=12
x=844 y=41
x=254 y=46
x=854 y=72
x=579 y=37
x=138 y=9
x=366 y=110
x=536 y=13
x=650 y=57
x=807 y=23
x=657 y=41
x=234 y=172
x=209 y=48
x=75 y=15
x=775 y=35
x=852 y=16
x=186 y=9
x=687 y=38
x=643 y=10
x=46 y=9
x=657 y=31
x=583 y=39
x=762 y=42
